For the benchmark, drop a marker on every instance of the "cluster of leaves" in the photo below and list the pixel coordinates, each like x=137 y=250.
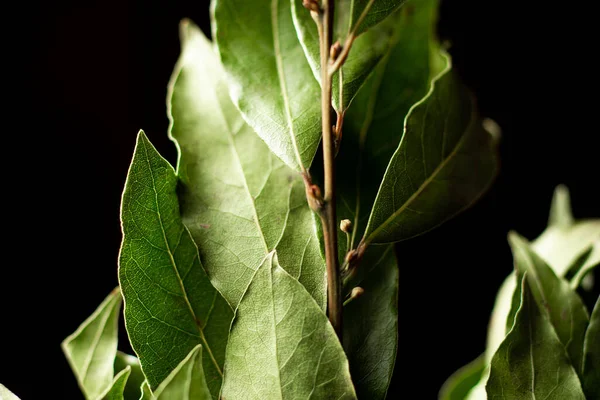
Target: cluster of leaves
x=542 y=342
x=221 y=267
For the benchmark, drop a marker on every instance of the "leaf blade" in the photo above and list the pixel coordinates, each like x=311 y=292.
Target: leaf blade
x=460 y=383
x=136 y=377
x=285 y=114
x=282 y=341
x=159 y=260
x=187 y=381
x=6 y=394
x=116 y=391
x=531 y=362
x=405 y=204
x=565 y=309
x=591 y=355
x=92 y=348
x=259 y=205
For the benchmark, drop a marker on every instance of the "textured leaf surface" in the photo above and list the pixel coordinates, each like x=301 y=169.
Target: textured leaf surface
x=462 y=381
x=186 y=381
x=373 y=124
x=238 y=199
x=377 y=12
x=591 y=354
x=444 y=162
x=270 y=79
x=6 y=394
x=92 y=348
x=531 y=362
x=136 y=377
x=371 y=324
x=281 y=345
x=565 y=309
x=115 y=392
x=367 y=50
x=170 y=304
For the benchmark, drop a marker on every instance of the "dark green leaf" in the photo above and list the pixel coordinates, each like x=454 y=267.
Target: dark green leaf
x=458 y=386
x=373 y=124
x=187 y=381
x=6 y=394
x=238 y=200
x=269 y=77
x=531 y=363
x=376 y=11
x=368 y=49
x=563 y=306
x=281 y=345
x=170 y=304
x=445 y=161
x=136 y=378
x=92 y=348
x=371 y=324
x=591 y=355
x=115 y=392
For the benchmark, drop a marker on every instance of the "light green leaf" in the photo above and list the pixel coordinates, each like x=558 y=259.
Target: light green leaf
x=136 y=378
x=146 y=391
x=444 y=163
x=115 y=392
x=371 y=324
x=565 y=239
x=531 y=363
x=462 y=381
x=92 y=348
x=563 y=306
x=281 y=345
x=6 y=394
x=373 y=124
x=591 y=355
x=367 y=50
x=269 y=78
x=170 y=304
x=187 y=381
x=238 y=199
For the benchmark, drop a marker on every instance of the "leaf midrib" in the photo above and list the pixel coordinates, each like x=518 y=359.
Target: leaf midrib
x=282 y=83
x=174 y=264
x=438 y=169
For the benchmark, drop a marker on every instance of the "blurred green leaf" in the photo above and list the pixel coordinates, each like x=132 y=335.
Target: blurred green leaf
x=6 y=394
x=238 y=199
x=170 y=304
x=92 y=348
x=531 y=362
x=563 y=306
x=463 y=380
x=270 y=80
x=591 y=355
x=115 y=392
x=136 y=377
x=281 y=344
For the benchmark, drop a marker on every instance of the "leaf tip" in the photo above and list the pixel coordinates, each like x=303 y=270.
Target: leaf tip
x=560 y=208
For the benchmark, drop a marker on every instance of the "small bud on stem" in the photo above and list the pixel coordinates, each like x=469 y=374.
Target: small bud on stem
x=312 y=5
x=346 y=225
x=355 y=294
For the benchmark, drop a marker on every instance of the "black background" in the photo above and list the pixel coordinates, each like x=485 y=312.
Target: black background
x=83 y=77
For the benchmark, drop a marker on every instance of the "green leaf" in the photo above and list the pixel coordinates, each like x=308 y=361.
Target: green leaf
x=6 y=394
x=531 y=363
x=591 y=355
x=281 y=345
x=136 y=377
x=115 y=392
x=170 y=304
x=368 y=49
x=92 y=348
x=565 y=239
x=146 y=391
x=444 y=163
x=371 y=324
x=563 y=306
x=583 y=265
x=460 y=383
x=239 y=200
x=187 y=381
x=269 y=77
x=373 y=124
x=376 y=11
